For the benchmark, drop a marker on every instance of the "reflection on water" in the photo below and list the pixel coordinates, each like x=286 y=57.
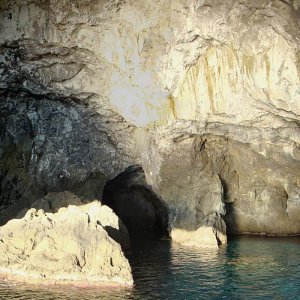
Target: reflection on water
x=22 y=291
x=247 y=268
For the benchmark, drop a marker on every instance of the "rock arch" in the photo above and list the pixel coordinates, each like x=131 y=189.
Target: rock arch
x=133 y=200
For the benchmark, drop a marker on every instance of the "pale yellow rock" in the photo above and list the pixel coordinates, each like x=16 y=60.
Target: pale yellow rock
x=202 y=237
x=115 y=228
x=234 y=86
x=67 y=247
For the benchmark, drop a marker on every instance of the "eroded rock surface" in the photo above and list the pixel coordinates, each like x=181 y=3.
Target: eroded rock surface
x=202 y=237
x=114 y=226
x=48 y=145
x=71 y=246
x=204 y=95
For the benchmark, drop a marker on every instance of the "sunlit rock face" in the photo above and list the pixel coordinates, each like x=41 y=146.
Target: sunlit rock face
x=52 y=202
x=70 y=246
x=204 y=94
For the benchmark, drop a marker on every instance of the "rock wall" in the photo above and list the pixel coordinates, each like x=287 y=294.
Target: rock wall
x=54 y=144
x=255 y=186
x=205 y=95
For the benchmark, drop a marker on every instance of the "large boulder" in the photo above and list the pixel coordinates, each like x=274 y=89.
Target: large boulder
x=114 y=226
x=67 y=247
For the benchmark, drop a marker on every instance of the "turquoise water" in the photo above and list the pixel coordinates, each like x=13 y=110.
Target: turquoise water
x=247 y=268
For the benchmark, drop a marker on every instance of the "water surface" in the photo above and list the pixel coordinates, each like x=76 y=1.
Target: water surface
x=247 y=268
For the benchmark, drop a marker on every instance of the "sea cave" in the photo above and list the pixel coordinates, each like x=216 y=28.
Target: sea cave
x=152 y=147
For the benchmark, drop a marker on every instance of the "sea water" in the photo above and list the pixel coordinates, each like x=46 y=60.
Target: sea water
x=246 y=268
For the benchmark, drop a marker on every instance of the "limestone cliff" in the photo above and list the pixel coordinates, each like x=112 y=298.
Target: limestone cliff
x=205 y=95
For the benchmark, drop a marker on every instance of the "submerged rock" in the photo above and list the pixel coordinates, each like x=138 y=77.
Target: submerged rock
x=67 y=247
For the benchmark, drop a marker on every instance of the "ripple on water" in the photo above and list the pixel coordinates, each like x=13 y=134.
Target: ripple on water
x=247 y=268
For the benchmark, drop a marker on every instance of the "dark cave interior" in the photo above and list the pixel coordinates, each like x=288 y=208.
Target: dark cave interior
x=140 y=209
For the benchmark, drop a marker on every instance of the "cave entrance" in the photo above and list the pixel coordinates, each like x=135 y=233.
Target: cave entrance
x=133 y=200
